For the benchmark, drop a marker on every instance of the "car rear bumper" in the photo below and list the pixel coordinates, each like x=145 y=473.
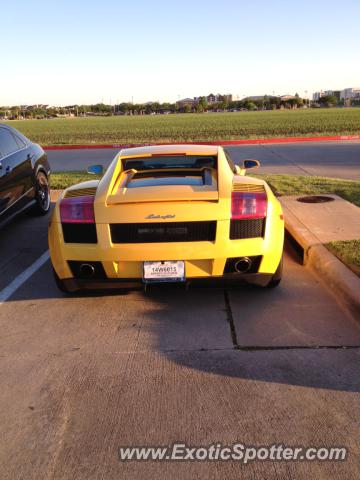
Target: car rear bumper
x=203 y=259
x=74 y=284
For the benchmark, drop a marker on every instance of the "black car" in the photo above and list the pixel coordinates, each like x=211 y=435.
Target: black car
x=24 y=175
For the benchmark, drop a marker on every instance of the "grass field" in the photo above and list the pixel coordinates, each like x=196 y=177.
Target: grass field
x=191 y=127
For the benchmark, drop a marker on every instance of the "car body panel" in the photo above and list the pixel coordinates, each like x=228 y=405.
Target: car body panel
x=17 y=179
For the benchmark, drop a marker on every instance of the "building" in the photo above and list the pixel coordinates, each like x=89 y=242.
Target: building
x=253 y=98
x=211 y=98
x=346 y=95
x=187 y=102
x=350 y=94
x=317 y=95
x=333 y=93
x=284 y=98
x=258 y=98
x=224 y=98
x=228 y=98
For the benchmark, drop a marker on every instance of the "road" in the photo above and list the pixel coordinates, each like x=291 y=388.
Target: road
x=329 y=159
x=81 y=376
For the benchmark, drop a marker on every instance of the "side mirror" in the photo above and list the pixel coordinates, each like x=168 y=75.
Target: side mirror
x=250 y=164
x=96 y=169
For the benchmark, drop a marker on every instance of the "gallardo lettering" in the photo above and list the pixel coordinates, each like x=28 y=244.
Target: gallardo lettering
x=152 y=216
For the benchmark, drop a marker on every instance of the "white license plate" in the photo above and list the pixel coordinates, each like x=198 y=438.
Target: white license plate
x=169 y=271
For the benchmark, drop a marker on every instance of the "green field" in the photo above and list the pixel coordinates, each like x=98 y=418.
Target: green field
x=192 y=127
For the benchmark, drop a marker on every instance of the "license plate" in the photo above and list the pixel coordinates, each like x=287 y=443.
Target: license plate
x=169 y=271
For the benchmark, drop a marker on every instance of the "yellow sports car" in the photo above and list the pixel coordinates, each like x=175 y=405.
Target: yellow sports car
x=174 y=213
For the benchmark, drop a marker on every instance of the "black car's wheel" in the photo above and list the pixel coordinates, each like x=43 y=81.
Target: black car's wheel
x=42 y=194
x=60 y=284
x=276 y=278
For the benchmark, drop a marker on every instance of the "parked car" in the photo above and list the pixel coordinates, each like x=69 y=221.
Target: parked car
x=24 y=175
x=174 y=213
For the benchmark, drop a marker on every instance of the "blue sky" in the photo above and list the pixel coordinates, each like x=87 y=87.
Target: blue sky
x=64 y=52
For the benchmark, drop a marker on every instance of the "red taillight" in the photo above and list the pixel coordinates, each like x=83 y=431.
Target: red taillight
x=77 y=210
x=248 y=205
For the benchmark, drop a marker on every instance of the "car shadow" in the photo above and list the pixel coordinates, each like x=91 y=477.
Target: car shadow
x=293 y=335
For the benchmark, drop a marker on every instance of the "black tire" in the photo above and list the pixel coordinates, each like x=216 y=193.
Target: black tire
x=42 y=195
x=276 y=278
x=60 y=284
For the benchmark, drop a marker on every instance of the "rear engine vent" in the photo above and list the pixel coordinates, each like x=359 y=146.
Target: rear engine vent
x=248 y=228
x=230 y=266
x=79 y=232
x=248 y=188
x=80 y=192
x=163 y=232
x=78 y=270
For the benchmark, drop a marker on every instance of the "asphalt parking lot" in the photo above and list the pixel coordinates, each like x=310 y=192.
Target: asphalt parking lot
x=329 y=159
x=83 y=375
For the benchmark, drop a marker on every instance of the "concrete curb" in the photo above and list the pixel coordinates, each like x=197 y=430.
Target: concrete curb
x=343 y=283
x=341 y=280
x=258 y=141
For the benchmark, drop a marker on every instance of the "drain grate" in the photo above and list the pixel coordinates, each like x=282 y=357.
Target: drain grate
x=315 y=199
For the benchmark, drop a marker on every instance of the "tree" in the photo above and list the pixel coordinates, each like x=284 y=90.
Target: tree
x=328 y=101
x=149 y=108
x=155 y=107
x=203 y=104
x=14 y=112
x=224 y=105
x=250 y=105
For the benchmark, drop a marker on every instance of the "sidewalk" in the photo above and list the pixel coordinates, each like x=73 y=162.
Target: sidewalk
x=323 y=222
x=312 y=225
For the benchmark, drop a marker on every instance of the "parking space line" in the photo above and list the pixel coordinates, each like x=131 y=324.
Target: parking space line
x=21 y=279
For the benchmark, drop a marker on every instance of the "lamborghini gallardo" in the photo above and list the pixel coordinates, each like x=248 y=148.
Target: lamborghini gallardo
x=174 y=213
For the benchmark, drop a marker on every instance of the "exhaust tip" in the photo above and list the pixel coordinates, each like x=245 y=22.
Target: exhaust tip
x=86 y=270
x=243 y=265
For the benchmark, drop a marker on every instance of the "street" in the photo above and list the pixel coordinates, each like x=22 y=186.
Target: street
x=328 y=159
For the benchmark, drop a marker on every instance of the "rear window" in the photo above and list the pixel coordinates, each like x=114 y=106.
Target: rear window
x=171 y=161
